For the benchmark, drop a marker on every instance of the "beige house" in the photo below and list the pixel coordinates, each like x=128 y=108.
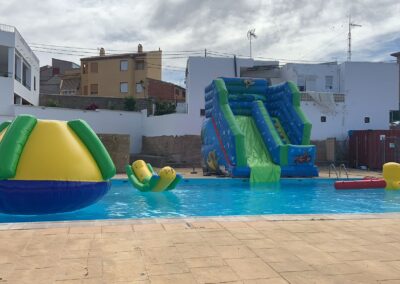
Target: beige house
x=120 y=75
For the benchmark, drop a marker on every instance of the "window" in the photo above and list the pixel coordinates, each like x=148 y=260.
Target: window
x=139 y=87
x=34 y=83
x=328 y=82
x=139 y=64
x=123 y=65
x=323 y=118
x=17 y=71
x=94 y=67
x=94 y=89
x=84 y=68
x=85 y=90
x=123 y=87
x=366 y=119
x=301 y=83
x=202 y=112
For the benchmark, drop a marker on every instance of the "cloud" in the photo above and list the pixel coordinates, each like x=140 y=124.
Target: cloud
x=286 y=29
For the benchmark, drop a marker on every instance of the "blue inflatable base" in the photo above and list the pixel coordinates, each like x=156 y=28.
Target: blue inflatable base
x=46 y=197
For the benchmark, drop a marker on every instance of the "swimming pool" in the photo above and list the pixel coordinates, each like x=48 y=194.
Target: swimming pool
x=223 y=197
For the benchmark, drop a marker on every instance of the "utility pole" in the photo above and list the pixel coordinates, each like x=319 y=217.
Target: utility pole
x=251 y=34
x=351 y=25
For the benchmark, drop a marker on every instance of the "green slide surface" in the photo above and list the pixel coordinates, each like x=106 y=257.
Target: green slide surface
x=258 y=157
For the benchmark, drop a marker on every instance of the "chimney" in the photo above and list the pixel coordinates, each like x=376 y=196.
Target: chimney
x=139 y=48
x=102 y=52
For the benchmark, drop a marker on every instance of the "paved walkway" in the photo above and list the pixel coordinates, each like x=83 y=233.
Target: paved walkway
x=219 y=250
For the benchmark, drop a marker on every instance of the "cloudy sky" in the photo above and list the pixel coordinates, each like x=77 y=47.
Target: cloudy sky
x=288 y=30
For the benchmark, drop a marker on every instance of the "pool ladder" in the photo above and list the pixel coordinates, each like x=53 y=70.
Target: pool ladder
x=342 y=167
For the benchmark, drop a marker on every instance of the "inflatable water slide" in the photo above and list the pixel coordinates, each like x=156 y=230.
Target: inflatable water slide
x=255 y=130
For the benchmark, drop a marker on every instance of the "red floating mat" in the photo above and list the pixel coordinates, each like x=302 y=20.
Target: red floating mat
x=360 y=184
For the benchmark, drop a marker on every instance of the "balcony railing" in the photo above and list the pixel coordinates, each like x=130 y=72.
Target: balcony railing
x=6 y=74
x=7 y=28
x=11 y=29
x=306 y=96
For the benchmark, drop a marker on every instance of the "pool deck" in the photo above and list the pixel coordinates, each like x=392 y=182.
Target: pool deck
x=345 y=248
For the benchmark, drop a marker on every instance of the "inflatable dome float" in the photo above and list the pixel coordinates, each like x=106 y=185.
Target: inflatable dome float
x=49 y=166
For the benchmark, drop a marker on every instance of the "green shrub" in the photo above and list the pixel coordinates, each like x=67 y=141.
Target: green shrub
x=164 y=108
x=129 y=103
x=52 y=103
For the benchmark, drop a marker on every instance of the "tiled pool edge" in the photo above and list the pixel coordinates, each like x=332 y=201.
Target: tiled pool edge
x=249 y=218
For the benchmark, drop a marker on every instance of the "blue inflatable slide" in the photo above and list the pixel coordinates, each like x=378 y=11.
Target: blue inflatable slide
x=255 y=130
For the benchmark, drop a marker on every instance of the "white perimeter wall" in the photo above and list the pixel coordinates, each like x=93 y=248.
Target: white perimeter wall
x=102 y=121
x=176 y=124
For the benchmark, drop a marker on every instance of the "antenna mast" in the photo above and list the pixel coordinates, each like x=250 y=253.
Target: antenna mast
x=251 y=34
x=351 y=24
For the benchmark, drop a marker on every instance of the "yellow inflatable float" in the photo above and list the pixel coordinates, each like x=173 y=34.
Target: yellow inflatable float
x=144 y=178
x=391 y=174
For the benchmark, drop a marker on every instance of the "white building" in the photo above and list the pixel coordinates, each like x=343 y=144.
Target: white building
x=348 y=96
x=19 y=72
x=335 y=97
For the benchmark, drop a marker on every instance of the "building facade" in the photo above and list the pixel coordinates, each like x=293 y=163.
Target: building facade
x=120 y=75
x=19 y=71
x=352 y=95
x=336 y=98
x=70 y=82
x=165 y=91
x=50 y=76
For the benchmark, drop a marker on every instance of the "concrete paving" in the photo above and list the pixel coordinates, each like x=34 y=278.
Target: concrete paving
x=289 y=249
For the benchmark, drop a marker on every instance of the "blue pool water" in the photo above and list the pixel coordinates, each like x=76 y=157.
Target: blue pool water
x=221 y=197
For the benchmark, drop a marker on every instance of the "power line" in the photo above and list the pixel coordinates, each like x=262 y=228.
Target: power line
x=86 y=53
x=119 y=50
x=172 y=55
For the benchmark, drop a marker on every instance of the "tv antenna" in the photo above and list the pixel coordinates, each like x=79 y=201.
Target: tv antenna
x=251 y=34
x=351 y=25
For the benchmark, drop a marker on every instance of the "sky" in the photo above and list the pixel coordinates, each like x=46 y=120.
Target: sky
x=287 y=30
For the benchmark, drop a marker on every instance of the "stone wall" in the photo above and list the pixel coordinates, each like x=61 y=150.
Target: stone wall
x=178 y=151
x=325 y=148
x=118 y=147
x=185 y=151
x=82 y=102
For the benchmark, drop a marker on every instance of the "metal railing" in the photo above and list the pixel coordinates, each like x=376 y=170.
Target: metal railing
x=11 y=29
x=342 y=166
x=338 y=174
x=333 y=168
x=6 y=74
x=7 y=28
x=306 y=97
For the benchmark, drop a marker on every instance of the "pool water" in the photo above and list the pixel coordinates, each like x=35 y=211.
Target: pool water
x=222 y=197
